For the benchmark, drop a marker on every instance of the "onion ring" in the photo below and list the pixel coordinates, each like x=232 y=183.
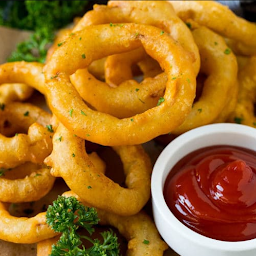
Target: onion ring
x=20 y=148
x=221 y=69
x=23 y=230
x=30 y=188
x=244 y=112
x=177 y=101
x=218 y=18
x=97 y=189
x=128 y=101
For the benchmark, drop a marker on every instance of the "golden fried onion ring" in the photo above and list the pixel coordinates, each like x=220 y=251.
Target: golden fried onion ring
x=23 y=230
x=221 y=71
x=32 y=187
x=139 y=230
x=20 y=148
x=244 y=112
x=92 y=186
x=105 y=129
x=221 y=20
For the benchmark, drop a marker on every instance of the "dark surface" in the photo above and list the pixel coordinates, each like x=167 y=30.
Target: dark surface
x=243 y=8
x=249 y=9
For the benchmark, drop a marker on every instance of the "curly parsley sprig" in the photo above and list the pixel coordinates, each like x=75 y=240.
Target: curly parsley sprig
x=66 y=215
x=43 y=18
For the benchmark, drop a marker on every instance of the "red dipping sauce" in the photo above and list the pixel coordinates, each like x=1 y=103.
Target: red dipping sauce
x=213 y=192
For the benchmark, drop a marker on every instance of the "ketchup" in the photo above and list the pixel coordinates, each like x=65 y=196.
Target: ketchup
x=213 y=192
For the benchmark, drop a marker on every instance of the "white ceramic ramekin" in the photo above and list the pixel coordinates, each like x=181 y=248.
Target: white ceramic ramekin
x=180 y=238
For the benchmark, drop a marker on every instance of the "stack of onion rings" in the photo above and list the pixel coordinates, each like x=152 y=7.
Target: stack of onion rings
x=88 y=83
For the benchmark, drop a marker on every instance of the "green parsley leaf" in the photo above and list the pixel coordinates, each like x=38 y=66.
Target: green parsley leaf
x=145 y=241
x=59 y=139
x=49 y=127
x=65 y=216
x=43 y=18
x=2 y=106
x=238 y=120
x=189 y=25
x=53 y=77
x=26 y=113
x=60 y=44
x=227 y=51
x=161 y=100
x=82 y=112
x=2 y=171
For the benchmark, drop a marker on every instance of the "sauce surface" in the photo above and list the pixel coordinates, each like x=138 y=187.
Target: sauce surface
x=213 y=192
